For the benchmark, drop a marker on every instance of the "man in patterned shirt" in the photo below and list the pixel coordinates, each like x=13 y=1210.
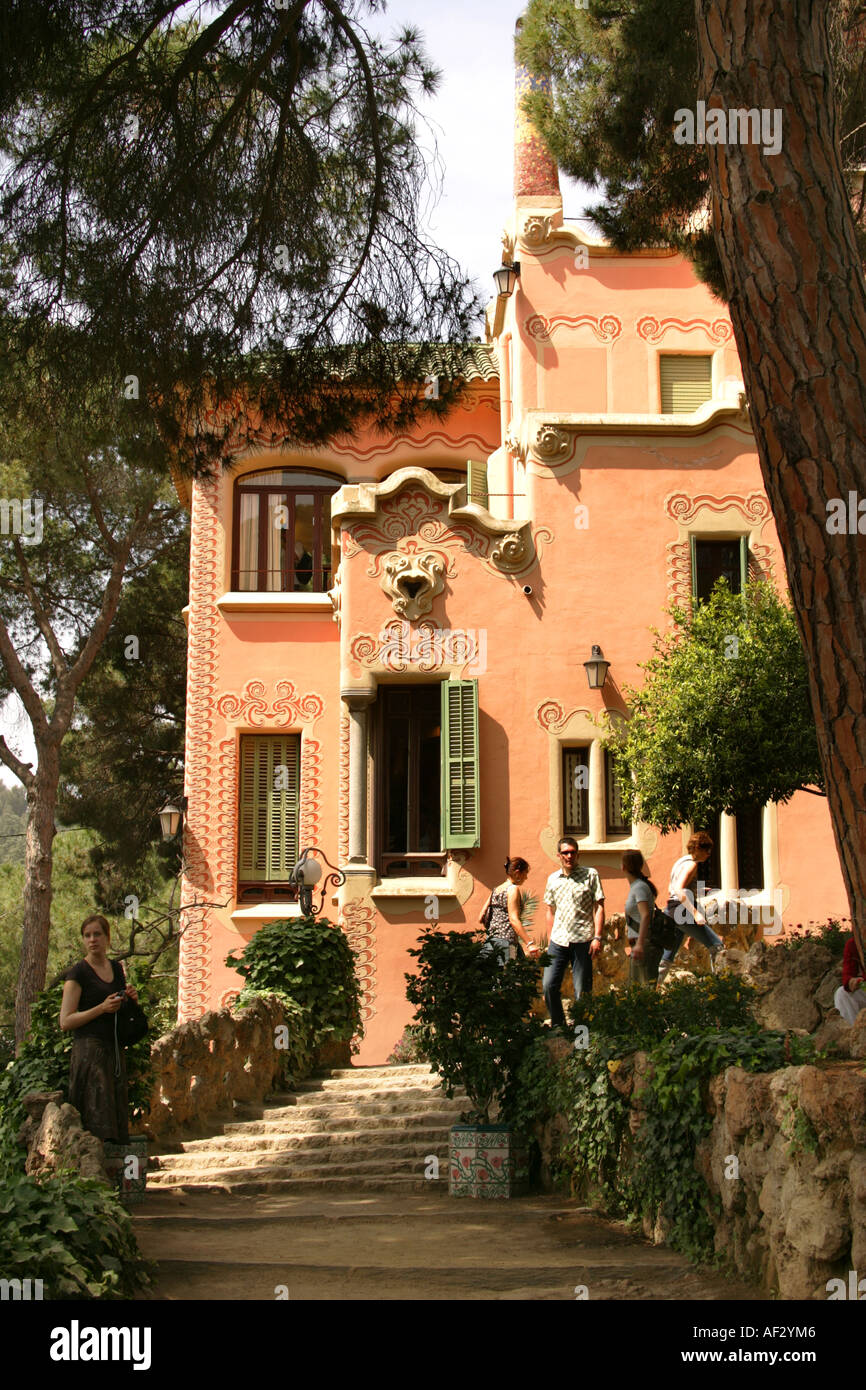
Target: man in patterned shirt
x=575 y=922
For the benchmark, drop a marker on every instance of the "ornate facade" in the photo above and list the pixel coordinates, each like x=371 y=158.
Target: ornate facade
x=423 y=716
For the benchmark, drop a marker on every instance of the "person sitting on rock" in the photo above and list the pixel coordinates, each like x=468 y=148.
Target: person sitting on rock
x=850 y=998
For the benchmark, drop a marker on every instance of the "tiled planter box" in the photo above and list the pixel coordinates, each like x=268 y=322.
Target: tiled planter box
x=486 y=1161
x=130 y=1188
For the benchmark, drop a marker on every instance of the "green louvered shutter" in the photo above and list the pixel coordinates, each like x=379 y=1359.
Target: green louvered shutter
x=476 y=482
x=269 y=797
x=686 y=382
x=461 y=811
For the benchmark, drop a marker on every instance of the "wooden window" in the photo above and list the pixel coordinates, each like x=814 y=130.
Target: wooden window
x=281 y=533
x=575 y=791
x=616 y=820
x=476 y=483
x=750 y=849
x=714 y=559
x=461 y=804
x=268 y=815
x=686 y=382
x=426 y=775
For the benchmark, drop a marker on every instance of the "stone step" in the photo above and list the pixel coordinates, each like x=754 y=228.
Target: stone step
x=233 y=1172
x=410 y=1069
x=278 y=1115
x=329 y=1122
x=313 y=1139
x=340 y=1092
x=305 y=1160
x=382 y=1182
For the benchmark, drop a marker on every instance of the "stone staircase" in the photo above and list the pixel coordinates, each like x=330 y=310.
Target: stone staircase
x=363 y=1127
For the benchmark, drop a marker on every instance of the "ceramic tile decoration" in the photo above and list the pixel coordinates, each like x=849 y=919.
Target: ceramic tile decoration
x=486 y=1161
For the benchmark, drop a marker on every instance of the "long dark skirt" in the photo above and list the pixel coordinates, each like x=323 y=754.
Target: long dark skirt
x=97 y=1093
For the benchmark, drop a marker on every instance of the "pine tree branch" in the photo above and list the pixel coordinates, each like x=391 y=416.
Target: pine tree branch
x=58 y=656
x=23 y=771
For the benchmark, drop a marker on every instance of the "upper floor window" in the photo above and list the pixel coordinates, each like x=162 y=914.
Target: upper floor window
x=719 y=559
x=686 y=382
x=617 y=821
x=281 y=535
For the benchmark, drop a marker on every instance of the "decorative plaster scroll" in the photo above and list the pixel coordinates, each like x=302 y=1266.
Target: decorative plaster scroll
x=606 y=328
x=227 y=833
x=551 y=716
x=309 y=818
x=652 y=329
x=412 y=581
x=538 y=232
x=376 y=517
x=358 y=921
x=552 y=445
x=252 y=707
x=428 y=647
x=228 y=997
x=683 y=508
x=472 y=443
x=343 y=803
x=199 y=834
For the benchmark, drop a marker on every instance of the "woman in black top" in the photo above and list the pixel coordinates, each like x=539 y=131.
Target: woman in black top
x=93 y=993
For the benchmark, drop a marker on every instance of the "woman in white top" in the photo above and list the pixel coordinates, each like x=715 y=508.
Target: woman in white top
x=682 y=905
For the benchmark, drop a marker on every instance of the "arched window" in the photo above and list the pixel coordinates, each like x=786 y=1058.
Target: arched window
x=281 y=540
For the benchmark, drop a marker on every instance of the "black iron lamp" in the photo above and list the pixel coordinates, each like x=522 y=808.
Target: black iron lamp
x=506 y=278
x=306 y=875
x=596 y=669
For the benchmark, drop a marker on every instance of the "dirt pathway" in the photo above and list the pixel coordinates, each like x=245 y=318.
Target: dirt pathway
x=376 y=1246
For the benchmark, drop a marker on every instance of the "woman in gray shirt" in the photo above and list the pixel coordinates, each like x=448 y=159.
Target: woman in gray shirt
x=642 y=893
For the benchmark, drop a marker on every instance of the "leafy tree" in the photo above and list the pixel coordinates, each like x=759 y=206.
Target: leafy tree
x=228 y=207
x=774 y=233
x=723 y=719
x=13 y=822
x=92 y=510
x=123 y=756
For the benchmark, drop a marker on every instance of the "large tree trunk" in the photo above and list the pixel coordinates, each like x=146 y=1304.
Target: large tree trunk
x=36 y=899
x=785 y=234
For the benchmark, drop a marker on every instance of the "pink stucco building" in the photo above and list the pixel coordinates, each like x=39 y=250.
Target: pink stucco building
x=387 y=640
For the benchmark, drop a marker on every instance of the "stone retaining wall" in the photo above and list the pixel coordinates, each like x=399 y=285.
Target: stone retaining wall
x=786 y=1159
x=795 y=1216
x=203 y=1067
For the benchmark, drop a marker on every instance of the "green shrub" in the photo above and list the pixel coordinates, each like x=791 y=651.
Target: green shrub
x=310 y=962
x=408 y=1049
x=72 y=1233
x=638 y=1017
x=472 y=1015
x=596 y=1154
x=833 y=934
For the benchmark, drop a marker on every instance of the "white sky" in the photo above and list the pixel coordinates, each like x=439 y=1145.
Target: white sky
x=471 y=42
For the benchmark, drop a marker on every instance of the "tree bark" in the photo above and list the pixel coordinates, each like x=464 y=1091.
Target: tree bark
x=785 y=233
x=36 y=898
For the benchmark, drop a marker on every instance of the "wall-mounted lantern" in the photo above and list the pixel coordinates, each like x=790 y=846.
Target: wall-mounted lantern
x=506 y=278
x=596 y=669
x=306 y=875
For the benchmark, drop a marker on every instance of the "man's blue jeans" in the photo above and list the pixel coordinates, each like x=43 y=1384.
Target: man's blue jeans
x=581 y=974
